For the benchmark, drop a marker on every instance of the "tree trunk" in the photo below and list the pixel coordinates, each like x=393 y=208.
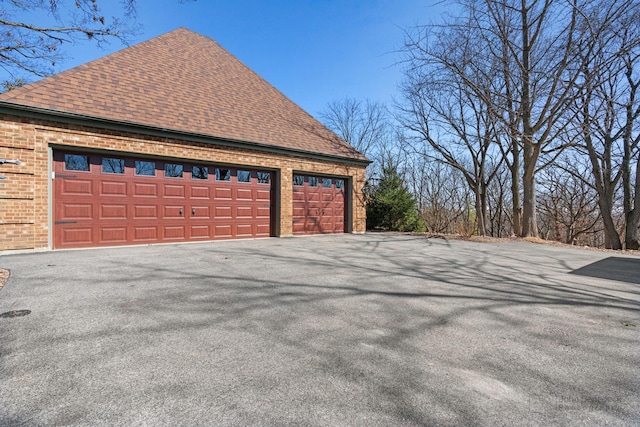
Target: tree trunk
x=531 y=149
x=529 y=220
x=515 y=189
x=631 y=238
x=631 y=190
x=611 y=236
x=481 y=210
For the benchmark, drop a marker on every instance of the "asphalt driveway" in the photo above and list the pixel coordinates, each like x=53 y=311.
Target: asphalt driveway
x=331 y=330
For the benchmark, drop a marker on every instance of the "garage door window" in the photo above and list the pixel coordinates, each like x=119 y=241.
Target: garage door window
x=223 y=174
x=244 y=176
x=172 y=170
x=76 y=162
x=339 y=183
x=200 y=172
x=298 y=180
x=326 y=182
x=145 y=168
x=264 y=177
x=110 y=165
x=313 y=181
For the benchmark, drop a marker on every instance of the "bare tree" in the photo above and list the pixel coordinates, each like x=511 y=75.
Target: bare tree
x=501 y=218
x=457 y=126
x=363 y=124
x=367 y=127
x=568 y=206
x=608 y=113
x=33 y=32
x=538 y=50
x=442 y=197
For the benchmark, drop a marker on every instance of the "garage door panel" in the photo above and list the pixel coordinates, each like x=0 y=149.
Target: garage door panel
x=263 y=230
x=312 y=196
x=244 y=230
x=263 y=194
x=328 y=197
x=77 y=236
x=299 y=225
x=224 y=212
x=263 y=212
x=173 y=212
x=223 y=230
x=113 y=211
x=244 y=194
x=77 y=187
x=113 y=188
x=223 y=193
x=143 y=205
x=200 y=212
x=244 y=212
x=144 y=189
x=113 y=235
x=174 y=190
x=200 y=192
x=174 y=232
x=77 y=211
x=145 y=233
x=200 y=231
x=145 y=212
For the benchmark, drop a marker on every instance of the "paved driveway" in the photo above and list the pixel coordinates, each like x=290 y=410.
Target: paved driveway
x=329 y=330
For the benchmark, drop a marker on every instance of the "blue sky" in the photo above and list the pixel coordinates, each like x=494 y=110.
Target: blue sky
x=314 y=51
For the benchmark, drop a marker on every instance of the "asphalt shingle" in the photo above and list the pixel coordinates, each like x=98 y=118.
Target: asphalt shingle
x=186 y=82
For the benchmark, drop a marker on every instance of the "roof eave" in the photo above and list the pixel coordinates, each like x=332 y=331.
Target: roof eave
x=21 y=110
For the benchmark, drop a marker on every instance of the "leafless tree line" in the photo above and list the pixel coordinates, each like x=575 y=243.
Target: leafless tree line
x=521 y=117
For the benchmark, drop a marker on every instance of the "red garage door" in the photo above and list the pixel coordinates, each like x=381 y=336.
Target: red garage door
x=318 y=205
x=104 y=200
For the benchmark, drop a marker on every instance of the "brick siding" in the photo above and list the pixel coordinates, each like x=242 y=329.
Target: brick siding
x=24 y=193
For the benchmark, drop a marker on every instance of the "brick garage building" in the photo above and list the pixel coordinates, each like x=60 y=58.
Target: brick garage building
x=173 y=139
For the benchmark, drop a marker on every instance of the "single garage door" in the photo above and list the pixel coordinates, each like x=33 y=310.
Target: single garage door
x=102 y=200
x=318 y=205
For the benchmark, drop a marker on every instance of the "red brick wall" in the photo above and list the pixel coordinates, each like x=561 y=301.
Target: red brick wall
x=24 y=194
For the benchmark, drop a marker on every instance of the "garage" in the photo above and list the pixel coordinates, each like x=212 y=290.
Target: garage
x=102 y=200
x=318 y=204
x=170 y=140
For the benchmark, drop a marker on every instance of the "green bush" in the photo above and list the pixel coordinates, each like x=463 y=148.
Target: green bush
x=390 y=205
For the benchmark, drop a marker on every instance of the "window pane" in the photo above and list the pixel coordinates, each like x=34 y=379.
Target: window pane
x=313 y=181
x=298 y=180
x=200 y=172
x=112 y=165
x=326 y=182
x=145 y=168
x=264 y=177
x=244 y=176
x=223 y=174
x=339 y=183
x=76 y=162
x=172 y=170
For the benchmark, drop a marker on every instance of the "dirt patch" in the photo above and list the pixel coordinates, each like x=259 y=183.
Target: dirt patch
x=4 y=276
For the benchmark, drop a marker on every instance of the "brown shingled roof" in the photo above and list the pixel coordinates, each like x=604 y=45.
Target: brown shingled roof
x=186 y=82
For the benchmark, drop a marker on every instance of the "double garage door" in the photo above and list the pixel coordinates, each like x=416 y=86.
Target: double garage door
x=104 y=200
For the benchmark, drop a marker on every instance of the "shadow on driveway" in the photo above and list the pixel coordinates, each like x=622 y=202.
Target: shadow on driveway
x=613 y=268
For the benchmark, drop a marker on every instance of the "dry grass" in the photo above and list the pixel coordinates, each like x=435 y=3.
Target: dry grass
x=535 y=240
